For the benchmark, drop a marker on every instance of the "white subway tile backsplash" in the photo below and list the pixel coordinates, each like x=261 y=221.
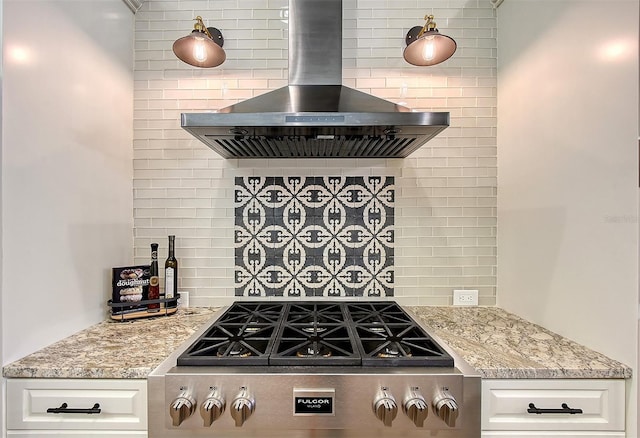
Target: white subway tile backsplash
x=445 y=192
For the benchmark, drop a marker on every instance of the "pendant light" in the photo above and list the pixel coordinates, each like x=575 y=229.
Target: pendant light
x=202 y=47
x=427 y=46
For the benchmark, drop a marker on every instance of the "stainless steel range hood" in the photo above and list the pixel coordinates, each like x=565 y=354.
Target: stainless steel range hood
x=315 y=115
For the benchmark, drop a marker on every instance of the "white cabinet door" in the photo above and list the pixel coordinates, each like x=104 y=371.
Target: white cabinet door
x=68 y=405
x=537 y=405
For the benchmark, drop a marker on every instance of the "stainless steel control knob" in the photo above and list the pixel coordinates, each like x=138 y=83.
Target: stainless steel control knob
x=385 y=407
x=182 y=408
x=446 y=407
x=242 y=407
x=416 y=407
x=212 y=408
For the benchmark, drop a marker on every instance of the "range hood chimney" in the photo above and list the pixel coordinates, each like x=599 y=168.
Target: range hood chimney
x=315 y=116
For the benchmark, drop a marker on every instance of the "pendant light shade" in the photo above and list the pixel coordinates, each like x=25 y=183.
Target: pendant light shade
x=201 y=48
x=427 y=46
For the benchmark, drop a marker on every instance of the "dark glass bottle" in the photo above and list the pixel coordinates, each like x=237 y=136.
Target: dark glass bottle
x=154 y=280
x=171 y=271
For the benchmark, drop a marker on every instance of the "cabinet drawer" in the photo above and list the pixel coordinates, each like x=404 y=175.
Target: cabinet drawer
x=552 y=434
x=122 y=404
x=505 y=404
x=77 y=433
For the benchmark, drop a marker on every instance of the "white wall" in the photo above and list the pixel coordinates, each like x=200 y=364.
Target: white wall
x=445 y=193
x=568 y=170
x=3 y=392
x=66 y=165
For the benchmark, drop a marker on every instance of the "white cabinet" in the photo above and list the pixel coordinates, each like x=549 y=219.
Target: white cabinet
x=69 y=407
x=568 y=408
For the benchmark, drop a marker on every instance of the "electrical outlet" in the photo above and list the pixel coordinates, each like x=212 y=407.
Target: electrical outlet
x=183 y=298
x=467 y=297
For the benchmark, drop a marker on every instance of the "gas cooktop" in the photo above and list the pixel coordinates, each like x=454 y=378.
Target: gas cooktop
x=314 y=369
x=365 y=334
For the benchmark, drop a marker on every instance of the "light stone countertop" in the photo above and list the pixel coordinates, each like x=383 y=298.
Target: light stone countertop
x=113 y=350
x=498 y=344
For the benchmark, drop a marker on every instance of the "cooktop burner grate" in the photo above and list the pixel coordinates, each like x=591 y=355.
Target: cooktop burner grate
x=372 y=334
x=315 y=334
x=243 y=335
x=387 y=336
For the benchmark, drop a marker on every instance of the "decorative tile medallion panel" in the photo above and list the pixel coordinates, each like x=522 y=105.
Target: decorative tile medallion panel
x=314 y=236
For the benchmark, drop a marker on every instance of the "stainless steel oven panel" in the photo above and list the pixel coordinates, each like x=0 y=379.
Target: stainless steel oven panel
x=353 y=404
x=281 y=423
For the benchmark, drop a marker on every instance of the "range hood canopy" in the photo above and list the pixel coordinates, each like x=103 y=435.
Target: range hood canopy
x=315 y=115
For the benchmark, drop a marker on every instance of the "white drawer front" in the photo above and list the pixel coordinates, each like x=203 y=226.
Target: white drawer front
x=123 y=404
x=505 y=404
x=77 y=433
x=554 y=434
